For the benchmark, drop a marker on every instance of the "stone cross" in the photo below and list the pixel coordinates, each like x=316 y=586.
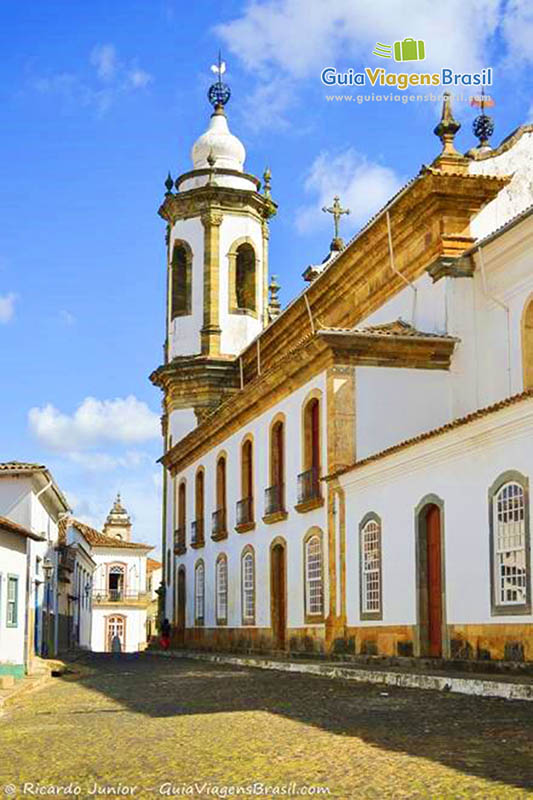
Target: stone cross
x=337 y=211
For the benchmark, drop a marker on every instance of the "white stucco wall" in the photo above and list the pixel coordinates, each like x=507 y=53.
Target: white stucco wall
x=135 y=628
x=184 y=332
x=293 y=529
x=517 y=195
x=13 y=561
x=444 y=466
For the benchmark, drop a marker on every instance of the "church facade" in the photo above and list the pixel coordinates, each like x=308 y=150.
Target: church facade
x=352 y=474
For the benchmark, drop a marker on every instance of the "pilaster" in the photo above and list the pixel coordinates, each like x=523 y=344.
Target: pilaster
x=210 y=332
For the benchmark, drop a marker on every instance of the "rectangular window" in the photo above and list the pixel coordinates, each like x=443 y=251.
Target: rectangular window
x=222 y=590
x=200 y=590
x=248 y=588
x=314 y=576
x=12 y=601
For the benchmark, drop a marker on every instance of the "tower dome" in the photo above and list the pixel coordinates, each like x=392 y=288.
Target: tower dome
x=219 y=145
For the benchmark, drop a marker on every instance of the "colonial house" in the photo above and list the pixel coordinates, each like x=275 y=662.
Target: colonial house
x=76 y=578
x=31 y=507
x=352 y=474
x=117 y=596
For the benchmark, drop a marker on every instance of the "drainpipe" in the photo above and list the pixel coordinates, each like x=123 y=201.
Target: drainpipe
x=507 y=312
x=397 y=272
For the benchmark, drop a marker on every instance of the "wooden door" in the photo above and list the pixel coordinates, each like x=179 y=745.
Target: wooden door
x=181 y=606
x=315 y=436
x=277 y=589
x=434 y=574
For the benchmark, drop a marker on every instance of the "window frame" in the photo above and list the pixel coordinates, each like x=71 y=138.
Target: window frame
x=497 y=607
x=374 y=614
x=10 y=603
x=199 y=619
x=313 y=616
x=233 y=253
x=222 y=559
x=248 y=621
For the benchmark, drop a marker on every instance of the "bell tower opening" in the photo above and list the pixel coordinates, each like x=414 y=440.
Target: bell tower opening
x=245 y=278
x=181 y=275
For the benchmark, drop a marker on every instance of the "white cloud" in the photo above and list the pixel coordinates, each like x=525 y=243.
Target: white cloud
x=113 y=79
x=106 y=462
x=517 y=30
x=95 y=422
x=363 y=186
x=104 y=58
x=7 y=307
x=302 y=37
x=265 y=106
x=68 y=318
x=138 y=78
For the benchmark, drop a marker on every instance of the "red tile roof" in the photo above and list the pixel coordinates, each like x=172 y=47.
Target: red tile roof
x=97 y=539
x=422 y=437
x=14 y=527
x=152 y=565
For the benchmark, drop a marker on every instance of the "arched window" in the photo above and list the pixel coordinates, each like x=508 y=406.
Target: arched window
x=245 y=277
x=314 y=588
x=198 y=523
x=221 y=580
x=181 y=280
x=275 y=494
x=245 y=506
x=527 y=345
x=309 y=479
x=511 y=583
x=180 y=533
x=199 y=593
x=370 y=567
x=248 y=586
x=219 y=529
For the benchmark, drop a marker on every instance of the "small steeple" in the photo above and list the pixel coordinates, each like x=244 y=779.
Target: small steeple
x=447 y=127
x=449 y=159
x=118 y=523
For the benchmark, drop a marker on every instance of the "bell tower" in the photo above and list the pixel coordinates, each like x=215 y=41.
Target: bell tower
x=217 y=270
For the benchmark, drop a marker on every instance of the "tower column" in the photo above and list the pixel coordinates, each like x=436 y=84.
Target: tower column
x=210 y=332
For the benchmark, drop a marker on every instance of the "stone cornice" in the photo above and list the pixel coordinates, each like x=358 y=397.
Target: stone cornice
x=506 y=144
x=224 y=199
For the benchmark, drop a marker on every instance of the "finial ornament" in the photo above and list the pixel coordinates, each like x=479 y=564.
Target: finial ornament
x=336 y=211
x=169 y=183
x=483 y=125
x=274 y=306
x=219 y=93
x=447 y=127
x=267 y=177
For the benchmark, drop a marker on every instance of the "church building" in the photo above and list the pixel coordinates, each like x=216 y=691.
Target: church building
x=351 y=474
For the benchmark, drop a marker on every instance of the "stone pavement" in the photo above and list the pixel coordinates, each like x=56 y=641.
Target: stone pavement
x=162 y=725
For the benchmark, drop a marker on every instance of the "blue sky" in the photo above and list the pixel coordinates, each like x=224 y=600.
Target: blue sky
x=99 y=100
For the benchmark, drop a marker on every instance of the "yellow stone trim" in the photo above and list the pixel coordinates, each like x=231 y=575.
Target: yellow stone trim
x=210 y=333
x=233 y=308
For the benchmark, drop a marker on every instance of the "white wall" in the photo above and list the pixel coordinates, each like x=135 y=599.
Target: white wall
x=135 y=627
x=393 y=404
x=293 y=529
x=13 y=561
x=184 y=333
x=458 y=467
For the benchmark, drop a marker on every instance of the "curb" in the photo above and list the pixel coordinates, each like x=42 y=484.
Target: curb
x=477 y=687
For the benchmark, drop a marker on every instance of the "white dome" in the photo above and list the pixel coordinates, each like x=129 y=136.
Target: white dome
x=227 y=151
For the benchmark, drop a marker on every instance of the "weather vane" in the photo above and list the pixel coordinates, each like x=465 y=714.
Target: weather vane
x=483 y=125
x=337 y=211
x=219 y=93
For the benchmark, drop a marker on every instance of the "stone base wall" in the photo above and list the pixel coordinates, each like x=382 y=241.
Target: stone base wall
x=508 y=642
x=497 y=642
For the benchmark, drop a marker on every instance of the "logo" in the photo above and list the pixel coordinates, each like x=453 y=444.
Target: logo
x=406 y=50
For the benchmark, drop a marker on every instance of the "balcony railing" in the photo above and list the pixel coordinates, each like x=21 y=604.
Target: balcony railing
x=275 y=499
x=66 y=562
x=245 y=511
x=119 y=596
x=218 y=525
x=309 y=485
x=197 y=532
x=179 y=540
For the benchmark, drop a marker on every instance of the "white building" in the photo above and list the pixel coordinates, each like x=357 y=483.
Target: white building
x=117 y=597
x=15 y=609
x=400 y=375
x=30 y=498
x=154 y=576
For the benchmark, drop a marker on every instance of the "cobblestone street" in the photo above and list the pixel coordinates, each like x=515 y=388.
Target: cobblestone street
x=162 y=725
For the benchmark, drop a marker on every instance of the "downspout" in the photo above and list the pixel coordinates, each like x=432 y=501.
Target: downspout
x=507 y=312
x=397 y=272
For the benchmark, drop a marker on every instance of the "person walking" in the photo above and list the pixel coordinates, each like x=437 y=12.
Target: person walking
x=166 y=630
